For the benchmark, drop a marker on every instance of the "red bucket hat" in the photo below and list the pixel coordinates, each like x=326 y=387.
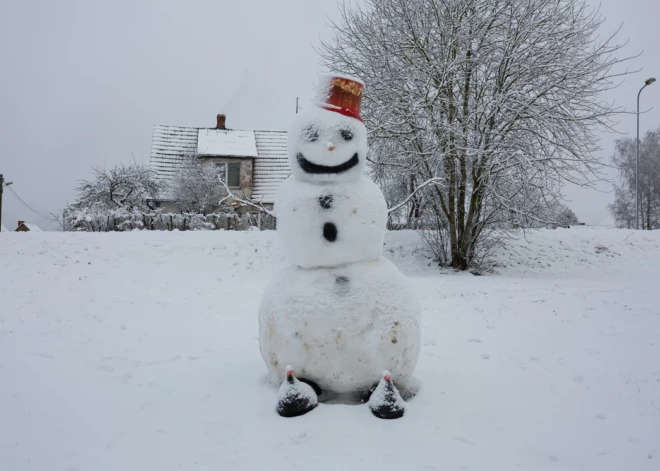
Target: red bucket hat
x=344 y=95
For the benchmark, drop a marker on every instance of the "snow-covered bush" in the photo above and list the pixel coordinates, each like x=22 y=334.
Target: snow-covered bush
x=119 y=200
x=100 y=219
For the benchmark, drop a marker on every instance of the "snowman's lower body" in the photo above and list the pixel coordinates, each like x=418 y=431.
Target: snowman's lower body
x=341 y=327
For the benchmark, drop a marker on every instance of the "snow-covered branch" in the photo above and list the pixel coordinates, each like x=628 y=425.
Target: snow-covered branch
x=432 y=181
x=232 y=196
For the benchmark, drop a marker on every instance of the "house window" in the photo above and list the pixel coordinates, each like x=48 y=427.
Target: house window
x=234 y=175
x=230 y=173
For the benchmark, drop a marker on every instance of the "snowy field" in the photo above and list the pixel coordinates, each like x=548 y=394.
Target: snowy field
x=139 y=351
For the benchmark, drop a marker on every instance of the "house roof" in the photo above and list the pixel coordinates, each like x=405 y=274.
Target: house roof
x=170 y=145
x=32 y=227
x=271 y=166
x=226 y=143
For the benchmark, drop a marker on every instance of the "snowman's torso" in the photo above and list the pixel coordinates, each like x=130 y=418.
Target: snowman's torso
x=330 y=224
x=341 y=327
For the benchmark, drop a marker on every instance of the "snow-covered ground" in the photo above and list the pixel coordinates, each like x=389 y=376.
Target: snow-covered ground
x=139 y=351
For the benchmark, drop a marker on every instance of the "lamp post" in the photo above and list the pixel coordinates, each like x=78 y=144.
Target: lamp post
x=2 y=186
x=648 y=82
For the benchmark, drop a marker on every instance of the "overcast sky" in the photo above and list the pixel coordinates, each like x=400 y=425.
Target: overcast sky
x=83 y=82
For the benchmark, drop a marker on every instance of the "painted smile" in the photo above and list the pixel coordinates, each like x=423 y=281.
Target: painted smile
x=310 y=167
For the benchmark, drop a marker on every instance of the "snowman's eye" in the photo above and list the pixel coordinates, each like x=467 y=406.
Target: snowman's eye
x=347 y=135
x=310 y=134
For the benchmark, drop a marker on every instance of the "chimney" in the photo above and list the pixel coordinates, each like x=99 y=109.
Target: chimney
x=20 y=223
x=221 y=121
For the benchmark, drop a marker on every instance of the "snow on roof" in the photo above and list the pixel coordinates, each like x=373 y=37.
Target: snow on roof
x=32 y=227
x=226 y=142
x=171 y=144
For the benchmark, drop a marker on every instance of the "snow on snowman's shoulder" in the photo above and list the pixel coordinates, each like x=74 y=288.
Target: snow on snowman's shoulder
x=330 y=224
x=292 y=187
x=367 y=185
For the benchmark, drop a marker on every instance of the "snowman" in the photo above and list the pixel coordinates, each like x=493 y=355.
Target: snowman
x=341 y=314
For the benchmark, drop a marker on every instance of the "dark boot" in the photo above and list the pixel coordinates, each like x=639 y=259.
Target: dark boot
x=295 y=397
x=385 y=402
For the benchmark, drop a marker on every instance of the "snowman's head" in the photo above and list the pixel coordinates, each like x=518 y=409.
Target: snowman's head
x=325 y=146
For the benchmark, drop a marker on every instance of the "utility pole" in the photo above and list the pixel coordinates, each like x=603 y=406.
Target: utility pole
x=2 y=187
x=297 y=105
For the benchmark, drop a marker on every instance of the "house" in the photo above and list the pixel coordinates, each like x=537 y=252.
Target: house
x=3 y=228
x=27 y=227
x=251 y=163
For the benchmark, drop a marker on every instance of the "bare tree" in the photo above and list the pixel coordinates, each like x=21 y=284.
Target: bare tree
x=565 y=216
x=123 y=186
x=625 y=156
x=231 y=196
x=195 y=186
x=200 y=186
x=623 y=208
x=483 y=102
x=108 y=195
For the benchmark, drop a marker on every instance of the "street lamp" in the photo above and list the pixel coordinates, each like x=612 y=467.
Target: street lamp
x=648 y=82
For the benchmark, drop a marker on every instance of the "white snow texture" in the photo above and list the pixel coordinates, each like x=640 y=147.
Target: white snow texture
x=357 y=210
x=133 y=351
x=342 y=314
x=341 y=327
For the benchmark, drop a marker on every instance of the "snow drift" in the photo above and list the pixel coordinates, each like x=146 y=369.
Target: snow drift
x=140 y=351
